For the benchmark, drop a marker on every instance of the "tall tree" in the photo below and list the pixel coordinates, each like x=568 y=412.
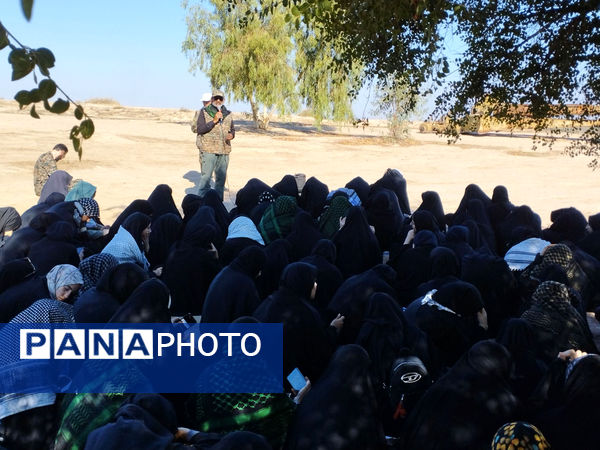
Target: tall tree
x=268 y=61
x=252 y=62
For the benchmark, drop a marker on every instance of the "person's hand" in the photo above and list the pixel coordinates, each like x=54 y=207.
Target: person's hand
x=482 y=318
x=409 y=236
x=571 y=354
x=229 y=136
x=213 y=251
x=298 y=396
x=158 y=271
x=218 y=116
x=338 y=322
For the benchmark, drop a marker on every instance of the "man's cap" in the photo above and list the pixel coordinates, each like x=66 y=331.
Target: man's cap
x=218 y=93
x=206 y=97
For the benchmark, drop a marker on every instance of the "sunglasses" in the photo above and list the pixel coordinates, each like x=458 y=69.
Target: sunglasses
x=218 y=98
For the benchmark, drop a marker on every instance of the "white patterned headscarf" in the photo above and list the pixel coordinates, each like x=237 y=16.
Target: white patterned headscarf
x=62 y=275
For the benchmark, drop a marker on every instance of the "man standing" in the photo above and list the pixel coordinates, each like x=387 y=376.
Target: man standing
x=46 y=166
x=215 y=131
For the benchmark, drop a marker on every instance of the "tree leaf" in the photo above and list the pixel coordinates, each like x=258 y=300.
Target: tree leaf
x=23 y=98
x=44 y=58
x=21 y=62
x=3 y=38
x=35 y=95
x=86 y=128
x=59 y=106
x=79 y=112
x=77 y=146
x=47 y=88
x=33 y=112
x=74 y=132
x=27 y=6
x=295 y=11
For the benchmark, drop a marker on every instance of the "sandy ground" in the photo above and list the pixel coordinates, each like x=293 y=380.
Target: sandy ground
x=134 y=149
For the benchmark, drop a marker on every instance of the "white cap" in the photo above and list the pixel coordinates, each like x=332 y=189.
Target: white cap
x=206 y=97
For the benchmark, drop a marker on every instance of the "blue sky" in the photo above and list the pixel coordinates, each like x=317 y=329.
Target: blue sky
x=128 y=50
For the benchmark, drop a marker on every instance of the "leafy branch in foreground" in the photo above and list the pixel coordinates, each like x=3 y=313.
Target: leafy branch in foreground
x=24 y=61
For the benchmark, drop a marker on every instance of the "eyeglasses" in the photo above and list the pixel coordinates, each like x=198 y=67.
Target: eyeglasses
x=218 y=98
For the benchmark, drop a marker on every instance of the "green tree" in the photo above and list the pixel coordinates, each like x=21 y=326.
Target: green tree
x=525 y=61
x=325 y=88
x=268 y=61
x=252 y=62
x=38 y=62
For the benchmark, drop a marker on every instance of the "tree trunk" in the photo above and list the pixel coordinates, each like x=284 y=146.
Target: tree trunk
x=254 y=107
x=265 y=118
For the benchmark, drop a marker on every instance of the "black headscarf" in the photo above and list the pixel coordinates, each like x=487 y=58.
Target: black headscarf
x=357 y=246
x=500 y=206
x=189 y=270
x=277 y=258
x=340 y=411
x=287 y=186
x=568 y=224
x=100 y=303
x=15 y=272
x=497 y=285
x=189 y=206
x=205 y=215
x=385 y=334
x=19 y=244
x=306 y=343
x=383 y=212
x=444 y=269
x=449 y=317
x=471 y=401
x=472 y=191
x=55 y=248
x=304 y=235
x=432 y=202
x=361 y=187
x=165 y=231
x=37 y=209
x=247 y=197
x=521 y=217
x=233 y=292
x=213 y=200
x=313 y=197
x=519 y=339
x=142 y=206
x=393 y=180
x=351 y=298
x=145 y=422
x=162 y=202
x=121 y=280
x=329 y=277
x=135 y=224
x=457 y=239
x=577 y=408
x=147 y=304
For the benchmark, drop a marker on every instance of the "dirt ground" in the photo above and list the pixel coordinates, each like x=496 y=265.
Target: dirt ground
x=134 y=149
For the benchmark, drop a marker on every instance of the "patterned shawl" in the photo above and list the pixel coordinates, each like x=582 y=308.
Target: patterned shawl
x=93 y=267
x=62 y=275
x=278 y=219
x=124 y=247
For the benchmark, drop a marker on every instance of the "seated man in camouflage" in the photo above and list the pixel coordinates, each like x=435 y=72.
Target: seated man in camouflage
x=46 y=165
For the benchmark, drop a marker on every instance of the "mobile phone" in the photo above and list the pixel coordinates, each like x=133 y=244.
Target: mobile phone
x=296 y=379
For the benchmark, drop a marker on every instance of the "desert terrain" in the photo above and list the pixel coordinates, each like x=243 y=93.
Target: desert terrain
x=134 y=149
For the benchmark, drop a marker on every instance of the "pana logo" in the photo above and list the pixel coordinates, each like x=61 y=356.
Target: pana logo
x=410 y=377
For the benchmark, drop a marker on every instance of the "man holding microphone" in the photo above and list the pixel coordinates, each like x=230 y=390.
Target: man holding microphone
x=215 y=131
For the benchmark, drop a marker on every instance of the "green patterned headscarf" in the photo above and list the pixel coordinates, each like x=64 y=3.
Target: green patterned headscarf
x=278 y=219
x=329 y=222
